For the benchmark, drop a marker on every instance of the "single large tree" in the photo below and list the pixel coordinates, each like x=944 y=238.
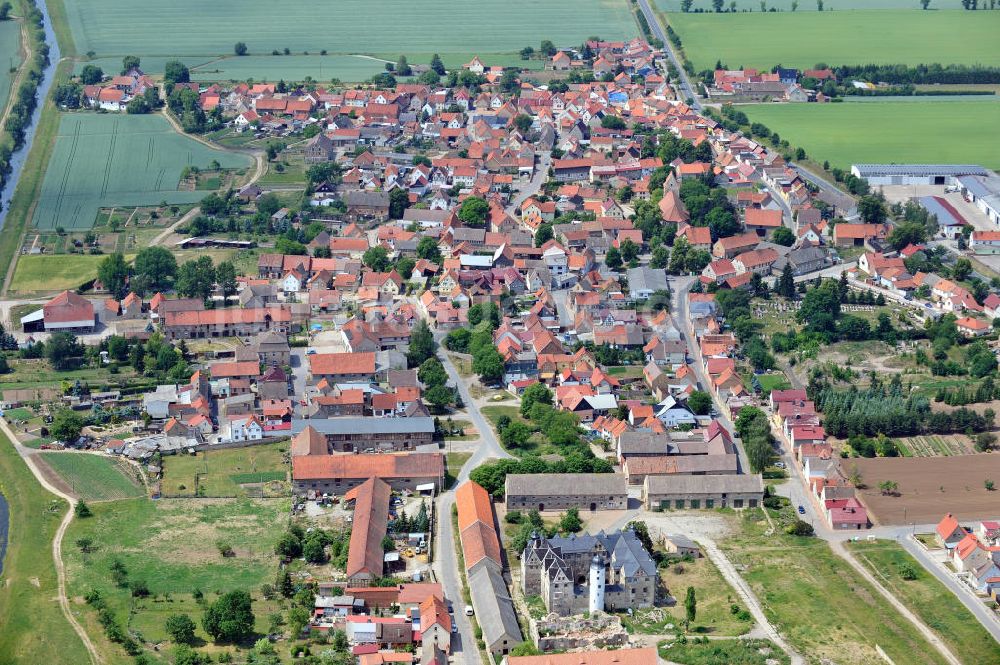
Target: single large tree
x=422 y=344
x=157 y=266
x=428 y=249
x=230 y=618
x=690 y=605
x=196 y=279
x=66 y=425
x=225 y=274
x=180 y=627
x=64 y=351
x=113 y=273
x=474 y=211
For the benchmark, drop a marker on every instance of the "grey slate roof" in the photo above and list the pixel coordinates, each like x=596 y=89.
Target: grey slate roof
x=627 y=552
x=640 y=279
x=566 y=484
x=675 y=484
x=493 y=605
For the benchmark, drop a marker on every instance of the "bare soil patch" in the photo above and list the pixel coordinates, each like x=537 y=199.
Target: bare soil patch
x=929 y=487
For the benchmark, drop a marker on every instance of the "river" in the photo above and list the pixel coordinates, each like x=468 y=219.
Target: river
x=21 y=156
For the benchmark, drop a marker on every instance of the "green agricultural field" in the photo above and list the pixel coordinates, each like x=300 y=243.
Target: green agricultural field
x=103 y=160
x=292 y=67
x=10 y=58
x=28 y=584
x=93 y=477
x=803 y=39
x=113 y=28
x=930 y=600
x=929 y=132
x=223 y=472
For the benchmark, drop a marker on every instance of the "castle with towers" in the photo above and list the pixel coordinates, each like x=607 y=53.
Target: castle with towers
x=576 y=574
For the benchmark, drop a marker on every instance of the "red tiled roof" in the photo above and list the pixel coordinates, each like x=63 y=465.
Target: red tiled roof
x=390 y=466
x=341 y=363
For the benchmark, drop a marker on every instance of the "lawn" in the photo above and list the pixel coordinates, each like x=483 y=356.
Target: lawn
x=773 y=381
x=731 y=652
x=803 y=39
x=350 y=27
x=929 y=599
x=224 y=472
x=94 y=477
x=921 y=132
x=38 y=373
x=817 y=601
x=171 y=545
x=103 y=160
x=28 y=584
x=48 y=273
x=10 y=58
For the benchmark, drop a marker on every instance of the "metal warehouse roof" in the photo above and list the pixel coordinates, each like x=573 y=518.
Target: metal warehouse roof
x=945 y=213
x=366 y=425
x=867 y=170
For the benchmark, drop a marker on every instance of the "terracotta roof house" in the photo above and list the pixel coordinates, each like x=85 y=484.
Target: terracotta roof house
x=337 y=474
x=309 y=442
x=762 y=221
x=67 y=311
x=342 y=367
x=365 y=555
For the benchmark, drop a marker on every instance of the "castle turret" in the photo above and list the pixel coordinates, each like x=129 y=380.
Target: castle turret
x=596 y=586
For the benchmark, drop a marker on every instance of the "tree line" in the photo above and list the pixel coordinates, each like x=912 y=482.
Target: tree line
x=26 y=97
x=881 y=409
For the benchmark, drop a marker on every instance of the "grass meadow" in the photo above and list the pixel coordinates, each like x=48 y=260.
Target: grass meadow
x=929 y=599
x=94 y=477
x=113 y=28
x=818 y=602
x=923 y=132
x=111 y=159
x=803 y=39
x=172 y=546
x=223 y=472
x=28 y=584
x=10 y=58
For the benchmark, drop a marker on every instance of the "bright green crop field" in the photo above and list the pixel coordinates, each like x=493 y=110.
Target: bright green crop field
x=803 y=39
x=113 y=159
x=186 y=28
x=946 y=132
